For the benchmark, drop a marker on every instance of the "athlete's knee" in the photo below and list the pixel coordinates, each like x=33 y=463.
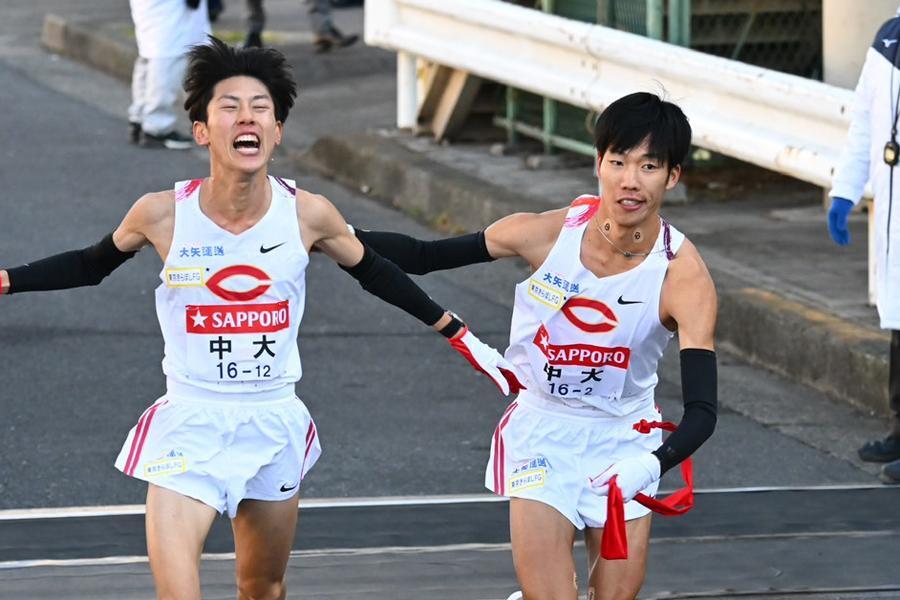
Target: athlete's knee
x=564 y=594
x=261 y=588
x=623 y=588
x=544 y=589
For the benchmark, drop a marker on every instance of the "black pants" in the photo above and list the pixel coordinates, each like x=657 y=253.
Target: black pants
x=894 y=383
x=256 y=17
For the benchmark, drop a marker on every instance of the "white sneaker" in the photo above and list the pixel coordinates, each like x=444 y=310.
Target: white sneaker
x=516 y=596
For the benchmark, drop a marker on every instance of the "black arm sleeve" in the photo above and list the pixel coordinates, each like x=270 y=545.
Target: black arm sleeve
x=384 y=279
x=698 y=387
x=420 y=257
x=75 y=268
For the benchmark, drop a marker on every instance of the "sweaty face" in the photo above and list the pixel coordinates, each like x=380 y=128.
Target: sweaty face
x=634 y=183
x=241 y=130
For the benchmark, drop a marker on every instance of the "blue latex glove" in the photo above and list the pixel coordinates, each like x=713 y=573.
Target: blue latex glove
x=837 y=220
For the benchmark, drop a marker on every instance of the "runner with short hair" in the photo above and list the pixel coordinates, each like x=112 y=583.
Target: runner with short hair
x=229 y=435
x=610 y=284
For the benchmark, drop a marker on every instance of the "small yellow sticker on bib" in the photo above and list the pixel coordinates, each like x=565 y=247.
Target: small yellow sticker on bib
x=166 y=466
x=189 y=277
x=544 y=294
x=525 y=480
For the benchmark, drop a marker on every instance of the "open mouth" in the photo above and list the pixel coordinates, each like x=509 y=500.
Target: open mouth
x=247 y=143
x=630 y=203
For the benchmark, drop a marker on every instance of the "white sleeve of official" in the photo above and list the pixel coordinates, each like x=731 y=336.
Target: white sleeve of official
x=852 y=171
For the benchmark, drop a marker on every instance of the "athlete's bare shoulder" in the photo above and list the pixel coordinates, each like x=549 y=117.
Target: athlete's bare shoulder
x=319 y=219
x=150 y=220
x=688 y=267
x=156 y=206
x=314 y=210
x=529 y=235
x=689 y=299
x=310 y=206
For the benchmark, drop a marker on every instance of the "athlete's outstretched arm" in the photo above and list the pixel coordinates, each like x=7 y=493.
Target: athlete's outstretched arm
x=90 y=265
x=424 y=256
x=325 y=229
x=520 y=234
x=688 y=302
x=75 y=268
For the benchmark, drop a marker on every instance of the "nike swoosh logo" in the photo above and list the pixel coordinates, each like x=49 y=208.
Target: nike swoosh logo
x=888 y=42
x=624 y=302
x=285 y=488
x=263 y=249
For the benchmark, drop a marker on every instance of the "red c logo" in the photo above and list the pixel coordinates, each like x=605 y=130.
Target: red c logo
x=609 y=323
x=214 y=283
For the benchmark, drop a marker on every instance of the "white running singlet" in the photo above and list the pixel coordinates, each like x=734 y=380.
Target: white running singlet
x=229 y=305
x=586 y=343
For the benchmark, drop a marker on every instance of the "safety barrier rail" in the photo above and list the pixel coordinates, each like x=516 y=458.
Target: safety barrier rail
x=781 y=122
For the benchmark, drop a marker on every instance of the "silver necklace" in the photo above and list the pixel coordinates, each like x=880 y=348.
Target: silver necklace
x=628 y=255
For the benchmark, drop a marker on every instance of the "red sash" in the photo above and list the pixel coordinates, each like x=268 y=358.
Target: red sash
x=614 y=543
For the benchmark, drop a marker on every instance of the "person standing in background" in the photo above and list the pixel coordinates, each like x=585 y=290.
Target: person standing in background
x=165 y=30
x=872 y=154
x=215 y=8
x=327 y=36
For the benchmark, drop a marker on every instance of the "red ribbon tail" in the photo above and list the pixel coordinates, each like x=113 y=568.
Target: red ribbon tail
x=614 y=543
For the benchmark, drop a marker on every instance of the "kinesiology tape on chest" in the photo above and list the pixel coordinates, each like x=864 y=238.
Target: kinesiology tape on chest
x=384 y=279
x=420 y=257
x=76 y=268
x=698 y=388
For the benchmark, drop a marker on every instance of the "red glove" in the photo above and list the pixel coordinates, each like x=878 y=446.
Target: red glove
x=487 y=360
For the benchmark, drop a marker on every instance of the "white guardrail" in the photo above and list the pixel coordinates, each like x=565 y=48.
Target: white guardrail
x=781 y=122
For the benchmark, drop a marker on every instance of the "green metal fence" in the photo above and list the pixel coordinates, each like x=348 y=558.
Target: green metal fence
x=785 y=35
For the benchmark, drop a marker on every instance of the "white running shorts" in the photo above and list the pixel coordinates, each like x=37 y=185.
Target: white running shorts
x=550 y=456
x=222 y=452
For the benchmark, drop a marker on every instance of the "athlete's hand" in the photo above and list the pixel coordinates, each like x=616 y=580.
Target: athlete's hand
x=632 y=474
x=837 y=220
x=487 y=360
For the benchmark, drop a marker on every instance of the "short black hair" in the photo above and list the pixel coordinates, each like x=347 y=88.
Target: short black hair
x=215 y=61
x=631 y=119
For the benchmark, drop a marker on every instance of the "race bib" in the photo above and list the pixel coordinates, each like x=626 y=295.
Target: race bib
x=582 y=371
x=238 y=342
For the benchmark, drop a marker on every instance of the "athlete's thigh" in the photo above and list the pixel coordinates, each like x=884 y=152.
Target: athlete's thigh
x=263 y=535
x=542 y=540
x=176 y=526
x=618 y=579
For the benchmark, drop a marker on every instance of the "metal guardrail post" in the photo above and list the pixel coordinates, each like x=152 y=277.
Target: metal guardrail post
x=550 y=111
x=512 y=113
x=744 y=34
x=550 y=119
x=680 y=22
x=655 y=12
x=406 y=90
x=685 y=16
